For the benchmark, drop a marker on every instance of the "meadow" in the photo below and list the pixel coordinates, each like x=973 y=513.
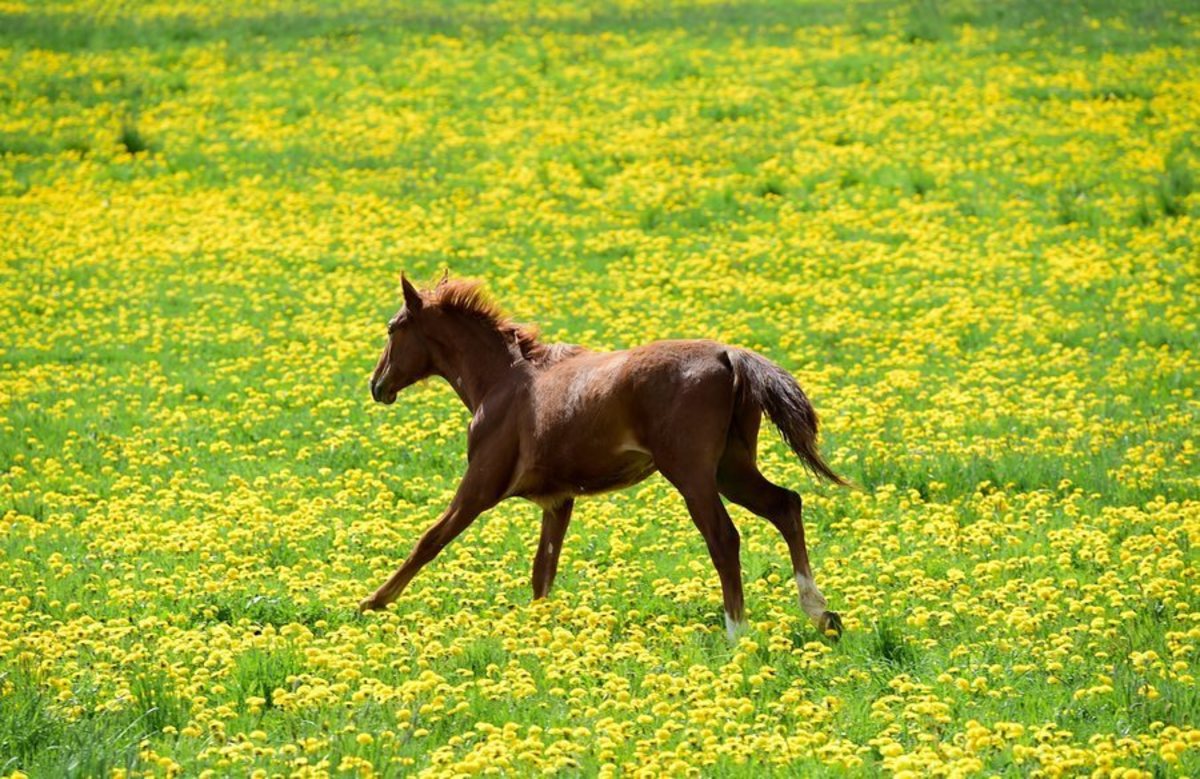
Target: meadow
x=968 y=228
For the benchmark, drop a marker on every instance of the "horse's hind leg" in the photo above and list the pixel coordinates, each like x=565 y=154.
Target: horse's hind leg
x=724 y=547
x=699 y=490
x=741 y=482
x=686 y=436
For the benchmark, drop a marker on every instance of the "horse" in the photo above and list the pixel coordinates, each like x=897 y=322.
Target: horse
x=552 y=422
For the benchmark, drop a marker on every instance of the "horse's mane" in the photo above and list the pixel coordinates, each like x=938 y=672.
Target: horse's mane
x=467 y=297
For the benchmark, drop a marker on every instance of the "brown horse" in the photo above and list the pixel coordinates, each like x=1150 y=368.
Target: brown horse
x=552 y=422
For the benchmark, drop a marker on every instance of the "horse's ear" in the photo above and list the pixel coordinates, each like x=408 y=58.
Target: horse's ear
x=412 y=298
x=445 y=277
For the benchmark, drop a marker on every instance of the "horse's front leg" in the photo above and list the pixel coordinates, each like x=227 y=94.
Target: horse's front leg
x=471 y=500
x=545 y=564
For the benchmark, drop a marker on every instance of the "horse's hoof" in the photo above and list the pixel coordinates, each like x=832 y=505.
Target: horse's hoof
x=830 y=624
x=370 y=604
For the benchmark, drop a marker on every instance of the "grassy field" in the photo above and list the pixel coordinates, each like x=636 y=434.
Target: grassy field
x=969 y=228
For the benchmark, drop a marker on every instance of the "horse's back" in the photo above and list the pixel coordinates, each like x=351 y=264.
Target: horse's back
x=633 y=398
x=597 y=382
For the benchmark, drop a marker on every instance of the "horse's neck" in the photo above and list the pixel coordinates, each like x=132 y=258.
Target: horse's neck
x=476 y=361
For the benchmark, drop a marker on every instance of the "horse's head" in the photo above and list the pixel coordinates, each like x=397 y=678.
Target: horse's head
x=406 y=358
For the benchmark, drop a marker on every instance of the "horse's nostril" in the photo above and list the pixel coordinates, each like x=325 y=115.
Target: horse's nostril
x=373 y=395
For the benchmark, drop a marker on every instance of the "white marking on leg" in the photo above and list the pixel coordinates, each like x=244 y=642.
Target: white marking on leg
x=550 y=548
x=811 y=599
x=732 y=628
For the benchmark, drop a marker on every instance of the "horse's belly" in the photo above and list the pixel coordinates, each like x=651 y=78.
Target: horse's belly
x=567 y=480
x=631 y=469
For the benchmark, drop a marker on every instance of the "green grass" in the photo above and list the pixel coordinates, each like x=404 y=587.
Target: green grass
x=968 y=228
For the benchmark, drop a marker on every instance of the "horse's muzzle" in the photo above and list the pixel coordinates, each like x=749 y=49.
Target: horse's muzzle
x=378 y=395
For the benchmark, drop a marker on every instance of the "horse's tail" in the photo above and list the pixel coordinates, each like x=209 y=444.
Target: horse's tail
x=774 y=390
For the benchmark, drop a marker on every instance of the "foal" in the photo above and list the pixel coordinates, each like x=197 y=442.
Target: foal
x=551 y=422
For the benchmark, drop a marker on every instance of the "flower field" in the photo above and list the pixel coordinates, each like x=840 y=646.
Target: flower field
x=969 y=229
